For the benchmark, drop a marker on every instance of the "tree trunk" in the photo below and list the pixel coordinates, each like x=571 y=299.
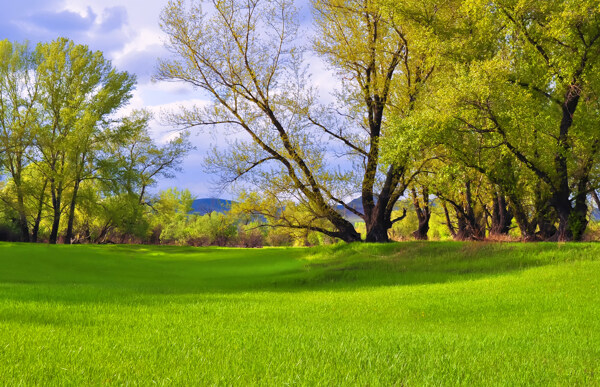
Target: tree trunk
x=38 y=218
x=526 y=226
x=563 y=234
x=378 y=216
x=475 y=229
x=561 y=199
x=345 y=229
x=71 y=219
x=378 y=233
x=468 y=224
x=461 y=226
x=578 y=220
x=423 y=213
x=56 y=206
x=501 y=216
x=103 y=233
x=377 y=223
x=448 y=221
x=24 y=227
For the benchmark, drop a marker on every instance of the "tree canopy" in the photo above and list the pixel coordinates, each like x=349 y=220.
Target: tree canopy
x=481 y=114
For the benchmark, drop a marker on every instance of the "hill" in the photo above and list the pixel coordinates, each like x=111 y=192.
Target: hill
x=208 y=205
x=350 y=216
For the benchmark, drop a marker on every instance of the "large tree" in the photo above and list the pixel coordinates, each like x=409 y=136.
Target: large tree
x=531 y=92
x=383 y=66
x=19 y=94
x=247 y=56
x=80 y=89
x=130 y=162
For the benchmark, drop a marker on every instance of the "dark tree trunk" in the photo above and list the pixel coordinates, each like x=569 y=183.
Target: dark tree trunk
x=378 y=216
x=56 y=207
x=561 y=200
x=23 y=226
x=546 y=219
x=448 y=221
x=71 y=220
x=526 y=226
x=347 y=232
x=378 y=232
x=103 y=233
x=501 y=216
x=461 y=226
x=423 y=213
x=475 y=228
x=563 y=234
x=55 y=225
x=38 y=218
x=545 y=214
x=578 y=220
x=468 y=224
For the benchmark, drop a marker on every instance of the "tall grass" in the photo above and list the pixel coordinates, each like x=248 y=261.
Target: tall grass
x=409 y=313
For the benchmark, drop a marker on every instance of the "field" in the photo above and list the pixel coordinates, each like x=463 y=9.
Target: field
x=406 y=314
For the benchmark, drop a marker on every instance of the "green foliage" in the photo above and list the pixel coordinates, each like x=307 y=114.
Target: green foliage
x=488 y=109
x=403 y=230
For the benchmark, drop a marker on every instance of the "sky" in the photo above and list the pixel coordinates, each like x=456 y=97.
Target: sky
x=128 y=33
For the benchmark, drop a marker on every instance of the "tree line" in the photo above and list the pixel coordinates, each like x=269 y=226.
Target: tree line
x=71 y=166
x=489 y=108
x=483 y=113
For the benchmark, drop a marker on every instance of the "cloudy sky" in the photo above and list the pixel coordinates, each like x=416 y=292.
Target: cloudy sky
x=127 y=32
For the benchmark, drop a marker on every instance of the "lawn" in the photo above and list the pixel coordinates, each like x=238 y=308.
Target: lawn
x=407 y=314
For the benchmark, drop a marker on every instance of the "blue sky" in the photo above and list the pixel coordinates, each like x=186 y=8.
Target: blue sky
x=127 y=32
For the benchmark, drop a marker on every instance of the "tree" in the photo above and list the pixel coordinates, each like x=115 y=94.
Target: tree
x=19 y=92
x=247 y=58
x=384 y=67
x=79 y=90
x=133 y=161
x=422 y=210
x=532 y=93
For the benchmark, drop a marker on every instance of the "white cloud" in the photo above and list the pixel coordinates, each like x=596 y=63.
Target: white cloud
x=129 y=35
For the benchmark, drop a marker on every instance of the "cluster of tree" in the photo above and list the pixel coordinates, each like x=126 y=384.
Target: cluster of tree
x=172 y=220
x=490 y=107
x=70 y=168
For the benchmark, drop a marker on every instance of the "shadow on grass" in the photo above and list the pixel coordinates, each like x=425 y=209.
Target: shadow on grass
x=141 y=274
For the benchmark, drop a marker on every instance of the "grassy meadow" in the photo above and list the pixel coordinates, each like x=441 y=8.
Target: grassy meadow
x=437 y=313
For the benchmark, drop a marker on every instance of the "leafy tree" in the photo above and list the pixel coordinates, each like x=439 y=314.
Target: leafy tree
x=384 y=67
x=79 y=89
x=133 y=161
x=19 y=93
x=247 y=57
x=532 y=94
x=171 y=215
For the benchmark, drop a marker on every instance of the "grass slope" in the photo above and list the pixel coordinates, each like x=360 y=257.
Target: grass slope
x=410 y=313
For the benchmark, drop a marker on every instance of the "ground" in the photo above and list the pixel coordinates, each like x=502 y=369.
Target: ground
x=405 y=313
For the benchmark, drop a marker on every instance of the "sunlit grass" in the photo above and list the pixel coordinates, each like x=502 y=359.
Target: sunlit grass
x=410 y=313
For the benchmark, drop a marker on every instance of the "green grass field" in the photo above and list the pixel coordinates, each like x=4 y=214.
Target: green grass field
x=406 y=314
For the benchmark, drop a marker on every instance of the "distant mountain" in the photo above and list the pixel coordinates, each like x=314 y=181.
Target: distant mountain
x=208 y=205
x=349 y=215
